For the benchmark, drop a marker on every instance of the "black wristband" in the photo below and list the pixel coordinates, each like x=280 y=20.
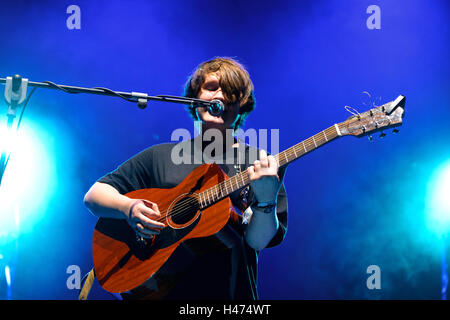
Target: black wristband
x=266 y=207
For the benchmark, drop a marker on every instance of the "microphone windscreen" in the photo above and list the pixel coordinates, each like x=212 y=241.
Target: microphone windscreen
x=216 y=108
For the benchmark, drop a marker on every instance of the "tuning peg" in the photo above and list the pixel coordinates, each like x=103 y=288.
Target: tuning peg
x=395 y=131
x=382 y=135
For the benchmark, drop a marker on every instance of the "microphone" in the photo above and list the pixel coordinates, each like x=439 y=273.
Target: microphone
x=216 y=108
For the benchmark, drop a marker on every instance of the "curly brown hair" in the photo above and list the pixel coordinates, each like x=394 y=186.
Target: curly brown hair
x=234 y=80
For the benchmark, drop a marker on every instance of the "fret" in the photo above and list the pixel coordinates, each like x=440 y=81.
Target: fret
x=295 y=153
x=200 y=199
x=304 y=147
x=314 y=141
x=234 y=181
x=324 y=134
x=242 y=178
x=337 y=129
x=220 y=195
x=230 y=185
x=219 y=191
x=207 y=194
x=285 y=156
x=215 y=193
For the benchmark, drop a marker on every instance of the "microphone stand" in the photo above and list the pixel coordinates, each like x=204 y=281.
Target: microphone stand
x=140 y=98
x=16 y=87
x=16 y=95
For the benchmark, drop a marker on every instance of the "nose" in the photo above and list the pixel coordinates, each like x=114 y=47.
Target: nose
x=219 y=95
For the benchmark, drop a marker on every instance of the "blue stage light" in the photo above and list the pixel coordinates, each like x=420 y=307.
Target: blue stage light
x=438 y=200
x=28 y=179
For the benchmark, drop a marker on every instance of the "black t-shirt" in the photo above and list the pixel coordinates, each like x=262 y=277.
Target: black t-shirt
x=226 y=268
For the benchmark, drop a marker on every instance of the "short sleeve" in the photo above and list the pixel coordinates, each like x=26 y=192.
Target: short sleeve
x=133 y=174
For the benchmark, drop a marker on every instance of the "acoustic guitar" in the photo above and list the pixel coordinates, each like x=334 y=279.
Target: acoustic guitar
x=200 y=206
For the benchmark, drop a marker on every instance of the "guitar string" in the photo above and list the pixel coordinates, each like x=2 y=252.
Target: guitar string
x=244 y=176
x=219 y=187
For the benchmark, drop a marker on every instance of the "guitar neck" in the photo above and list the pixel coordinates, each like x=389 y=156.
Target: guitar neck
x=238 y=181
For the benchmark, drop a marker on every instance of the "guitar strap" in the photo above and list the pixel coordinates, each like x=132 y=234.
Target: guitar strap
x=243 y=196
x=87 y=285
x=247 y=213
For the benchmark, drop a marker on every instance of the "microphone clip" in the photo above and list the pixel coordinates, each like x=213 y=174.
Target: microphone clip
x=15 y=93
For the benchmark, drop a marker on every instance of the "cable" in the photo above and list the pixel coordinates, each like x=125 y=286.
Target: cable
x=114 y=93
x=106 y=90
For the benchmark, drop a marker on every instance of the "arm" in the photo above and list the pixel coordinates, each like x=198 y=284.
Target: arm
x=105 y=201
x=261 y=228
x=266 y=184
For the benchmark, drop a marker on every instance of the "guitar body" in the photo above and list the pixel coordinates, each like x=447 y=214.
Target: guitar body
x=123 y=262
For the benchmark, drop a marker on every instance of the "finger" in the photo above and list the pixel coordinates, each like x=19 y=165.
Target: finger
x=251 y=172
x=272 y=162
x=263 y=158
x=148 y=212
x=149 y=231
x=257 y=165
x=145 y=233
x=149 y=223
x=151 y=205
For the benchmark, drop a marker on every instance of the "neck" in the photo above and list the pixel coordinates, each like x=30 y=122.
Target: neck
x=222 y=138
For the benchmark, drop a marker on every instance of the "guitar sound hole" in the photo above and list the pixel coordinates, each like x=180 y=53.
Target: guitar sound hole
x=184 y=210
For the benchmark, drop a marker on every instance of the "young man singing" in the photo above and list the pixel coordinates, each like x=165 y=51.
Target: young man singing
x=223 y=266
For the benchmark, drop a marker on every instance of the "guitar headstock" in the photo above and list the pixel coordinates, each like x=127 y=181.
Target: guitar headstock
x=387 y=116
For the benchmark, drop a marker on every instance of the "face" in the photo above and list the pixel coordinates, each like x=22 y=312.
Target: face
x=211 y=90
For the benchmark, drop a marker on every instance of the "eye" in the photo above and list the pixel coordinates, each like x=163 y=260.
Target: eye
x=211 y=86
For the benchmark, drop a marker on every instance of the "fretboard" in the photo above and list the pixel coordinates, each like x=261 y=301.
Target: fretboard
x=238 y=181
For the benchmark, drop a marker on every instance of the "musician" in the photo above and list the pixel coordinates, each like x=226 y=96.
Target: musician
x=217 y=267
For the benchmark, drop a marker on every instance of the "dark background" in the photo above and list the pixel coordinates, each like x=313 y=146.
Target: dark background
x=352 y=203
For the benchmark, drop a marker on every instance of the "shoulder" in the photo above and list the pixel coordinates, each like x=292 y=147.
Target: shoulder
x=156 y=150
